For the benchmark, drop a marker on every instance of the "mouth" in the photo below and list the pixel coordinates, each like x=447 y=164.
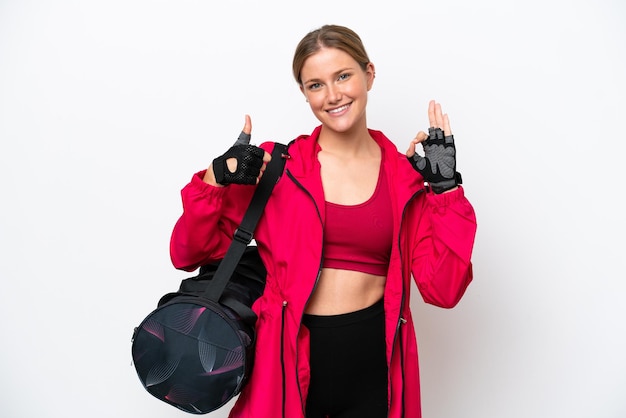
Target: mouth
x=339 y=109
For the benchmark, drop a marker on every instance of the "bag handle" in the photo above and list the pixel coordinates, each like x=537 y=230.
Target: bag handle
x=245 y=232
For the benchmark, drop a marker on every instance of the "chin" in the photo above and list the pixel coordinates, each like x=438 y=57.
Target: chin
x=341 y=126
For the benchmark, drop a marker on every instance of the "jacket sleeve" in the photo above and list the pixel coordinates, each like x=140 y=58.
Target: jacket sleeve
x=206 y=227
x=210 y=216
x=444 y=232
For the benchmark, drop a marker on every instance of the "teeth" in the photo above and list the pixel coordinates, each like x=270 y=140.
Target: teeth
x=339 y=109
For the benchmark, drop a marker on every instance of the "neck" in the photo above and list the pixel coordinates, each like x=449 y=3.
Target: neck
x=357 y=142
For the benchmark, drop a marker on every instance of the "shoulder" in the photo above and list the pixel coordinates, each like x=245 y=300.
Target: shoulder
x=390 y=149
x=302 y=145
x=397 y=165
x=299 y=141
x=391 y=153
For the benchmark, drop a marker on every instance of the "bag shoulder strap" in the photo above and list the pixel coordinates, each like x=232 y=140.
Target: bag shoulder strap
x=245 y=232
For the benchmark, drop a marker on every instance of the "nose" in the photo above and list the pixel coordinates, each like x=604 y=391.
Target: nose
x=334 y=94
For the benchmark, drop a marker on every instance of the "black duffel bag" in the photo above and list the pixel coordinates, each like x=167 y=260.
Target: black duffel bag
x=196 y=349
x=195 y=353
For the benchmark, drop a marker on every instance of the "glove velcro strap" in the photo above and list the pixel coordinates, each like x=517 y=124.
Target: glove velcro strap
x=444 y=186
x=219 y=169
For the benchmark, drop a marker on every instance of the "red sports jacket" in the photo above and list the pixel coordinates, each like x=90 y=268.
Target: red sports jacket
x=434 y=237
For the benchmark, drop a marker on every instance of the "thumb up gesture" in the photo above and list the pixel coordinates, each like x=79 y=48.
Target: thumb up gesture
x=243 y=163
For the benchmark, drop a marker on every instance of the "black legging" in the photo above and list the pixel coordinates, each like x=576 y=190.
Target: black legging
x=348 y=365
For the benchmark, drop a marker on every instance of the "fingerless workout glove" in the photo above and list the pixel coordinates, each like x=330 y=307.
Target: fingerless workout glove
x=249 y=162
x=438 y=165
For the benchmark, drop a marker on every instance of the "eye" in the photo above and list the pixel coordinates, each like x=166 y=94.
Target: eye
x=343 y=77
x=314 y=86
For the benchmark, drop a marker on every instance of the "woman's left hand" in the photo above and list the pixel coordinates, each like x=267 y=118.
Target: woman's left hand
x=438 y=165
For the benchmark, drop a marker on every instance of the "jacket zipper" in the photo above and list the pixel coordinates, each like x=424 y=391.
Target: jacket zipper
x=282 y=356
x=317 y=278
x=401 y=321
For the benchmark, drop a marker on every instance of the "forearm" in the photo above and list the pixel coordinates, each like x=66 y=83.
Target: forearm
x=442 y=265
x=209 y=177
x=204 y=229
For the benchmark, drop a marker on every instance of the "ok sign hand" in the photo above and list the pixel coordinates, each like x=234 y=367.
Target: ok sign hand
x=438 y=165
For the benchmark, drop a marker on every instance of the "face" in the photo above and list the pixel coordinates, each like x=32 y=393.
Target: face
x=336 y=88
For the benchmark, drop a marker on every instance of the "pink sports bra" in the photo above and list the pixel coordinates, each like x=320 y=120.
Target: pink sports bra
x=358 y=237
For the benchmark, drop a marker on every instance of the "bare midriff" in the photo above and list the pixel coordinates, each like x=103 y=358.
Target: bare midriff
x=343 y=291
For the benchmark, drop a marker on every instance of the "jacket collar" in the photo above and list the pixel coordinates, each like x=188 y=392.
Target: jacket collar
x=304 y=166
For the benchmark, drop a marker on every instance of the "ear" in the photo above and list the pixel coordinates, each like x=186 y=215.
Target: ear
x=370 y=72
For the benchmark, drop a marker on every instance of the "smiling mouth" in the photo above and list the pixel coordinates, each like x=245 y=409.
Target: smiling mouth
x=339 y=109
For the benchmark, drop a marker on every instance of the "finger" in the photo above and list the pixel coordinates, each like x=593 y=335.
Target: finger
x=246 y=133
x=432 y=120
x=247 y=127
x=263 y=168
x=447 y=130
x=420 y=137
x=267 y=157
x=438 y=116
x=243 y=139
x=411 y=150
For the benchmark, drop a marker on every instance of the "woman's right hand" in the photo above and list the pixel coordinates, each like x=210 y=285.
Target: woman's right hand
x=241 y=164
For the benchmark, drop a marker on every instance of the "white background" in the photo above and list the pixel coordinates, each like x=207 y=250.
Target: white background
x=108 y=107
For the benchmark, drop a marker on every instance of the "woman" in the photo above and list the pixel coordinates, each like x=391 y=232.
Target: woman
x=347 y=226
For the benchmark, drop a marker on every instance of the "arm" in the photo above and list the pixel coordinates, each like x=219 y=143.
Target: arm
x=444 y=228
x=210 y=216
x=445 y=221
x=214 y=202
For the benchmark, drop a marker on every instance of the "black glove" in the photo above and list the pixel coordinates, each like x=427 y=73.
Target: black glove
x=438 y=165
x=249 y=163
